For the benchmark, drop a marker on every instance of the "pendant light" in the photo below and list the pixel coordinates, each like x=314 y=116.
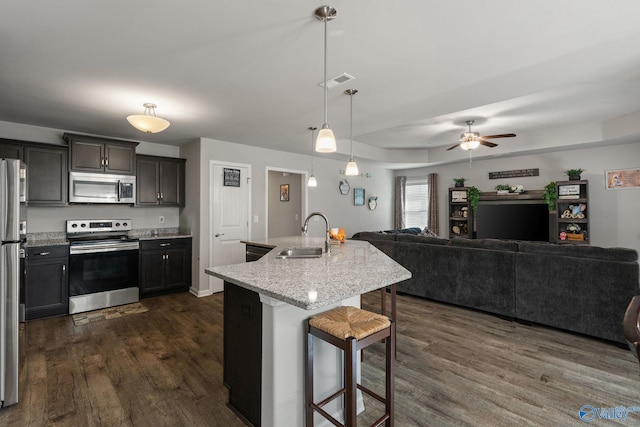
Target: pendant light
x=313 y=182
x=352 y=167
x=148 y=122
x=326 y=142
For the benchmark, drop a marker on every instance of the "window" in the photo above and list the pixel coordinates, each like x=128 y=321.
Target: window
x=416 y=213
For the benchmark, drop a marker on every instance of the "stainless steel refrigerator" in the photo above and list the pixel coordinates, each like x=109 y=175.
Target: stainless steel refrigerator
x=10 y=195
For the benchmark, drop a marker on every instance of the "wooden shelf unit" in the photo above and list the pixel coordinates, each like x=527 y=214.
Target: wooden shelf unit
x=572 y=216
x=460 y=213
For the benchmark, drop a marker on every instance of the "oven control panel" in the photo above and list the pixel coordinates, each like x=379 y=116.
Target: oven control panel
x=97 y=225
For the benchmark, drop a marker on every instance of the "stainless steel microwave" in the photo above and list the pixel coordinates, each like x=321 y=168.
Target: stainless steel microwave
x=101 y=188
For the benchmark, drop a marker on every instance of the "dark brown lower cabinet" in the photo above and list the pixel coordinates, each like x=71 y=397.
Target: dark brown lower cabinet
x=46 y=284
x=243 y=351
x=165 y=266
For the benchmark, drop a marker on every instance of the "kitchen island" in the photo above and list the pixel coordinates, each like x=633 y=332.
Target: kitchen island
x=285 y=292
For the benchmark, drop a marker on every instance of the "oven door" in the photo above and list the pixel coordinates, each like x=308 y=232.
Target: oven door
x=102 y=278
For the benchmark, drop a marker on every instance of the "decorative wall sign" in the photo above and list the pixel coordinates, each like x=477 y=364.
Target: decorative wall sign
x=373 y=203
x=231 y=177
x=344 y=187
x=622 y=178
x=514 y=173
x=284 y=192
x=358 y=196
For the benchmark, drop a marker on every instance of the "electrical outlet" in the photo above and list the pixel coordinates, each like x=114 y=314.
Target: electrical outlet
x=161 y=219
x=255 y=219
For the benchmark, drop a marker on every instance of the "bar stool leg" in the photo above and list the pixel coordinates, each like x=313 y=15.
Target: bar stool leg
x=351 y=383
x=308 y=376
x=390 y=374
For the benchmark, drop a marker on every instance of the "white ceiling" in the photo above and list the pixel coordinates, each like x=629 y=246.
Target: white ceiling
x=248 y=71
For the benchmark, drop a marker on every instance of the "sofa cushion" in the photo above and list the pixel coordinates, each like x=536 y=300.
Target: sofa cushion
x=580 y=251
x=421 y=239
x=492 y=244
x=373 y=235
x=410 y=230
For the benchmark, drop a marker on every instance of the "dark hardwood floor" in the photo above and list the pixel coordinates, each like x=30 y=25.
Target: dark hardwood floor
x=454 y=367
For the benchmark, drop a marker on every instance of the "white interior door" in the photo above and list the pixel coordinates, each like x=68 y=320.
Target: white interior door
x=229 y=210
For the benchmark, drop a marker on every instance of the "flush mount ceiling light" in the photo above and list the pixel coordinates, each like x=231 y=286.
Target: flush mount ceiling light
x=313 y=182
x=148 y=122
x=352 y=167
x=326 y=142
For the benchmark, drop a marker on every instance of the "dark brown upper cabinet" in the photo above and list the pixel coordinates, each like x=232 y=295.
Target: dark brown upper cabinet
x=101 y=155
x=160 y=181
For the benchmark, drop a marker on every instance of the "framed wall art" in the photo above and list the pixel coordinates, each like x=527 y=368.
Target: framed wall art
x=622 y=178
x=358 y=196
x=284 y=192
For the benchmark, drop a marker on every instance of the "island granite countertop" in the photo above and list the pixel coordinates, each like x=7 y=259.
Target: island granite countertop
x=352 y=268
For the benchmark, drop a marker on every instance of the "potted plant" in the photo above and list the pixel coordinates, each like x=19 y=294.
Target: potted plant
x=473 y=195
x=459 y=182
x=574 y=174
x=503 y=189
x=549 y=194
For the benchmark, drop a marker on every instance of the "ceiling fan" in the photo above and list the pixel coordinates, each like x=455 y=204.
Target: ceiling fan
x=471 y=140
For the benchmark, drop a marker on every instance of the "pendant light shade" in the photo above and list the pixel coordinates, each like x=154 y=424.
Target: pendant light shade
x=352 y=167
x=326 y=142
x=148 y=122
x=312 y=182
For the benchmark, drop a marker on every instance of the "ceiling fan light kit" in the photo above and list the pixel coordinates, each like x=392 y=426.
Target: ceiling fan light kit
x=326 y=142
x=472 y=140
x=148 y=122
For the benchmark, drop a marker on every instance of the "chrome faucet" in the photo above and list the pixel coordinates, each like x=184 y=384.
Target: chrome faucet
x=305 y=228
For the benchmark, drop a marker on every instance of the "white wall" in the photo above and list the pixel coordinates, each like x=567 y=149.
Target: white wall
x=325 y=198
x=612 y=213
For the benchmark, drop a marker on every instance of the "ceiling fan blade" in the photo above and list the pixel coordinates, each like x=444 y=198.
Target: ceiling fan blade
x=487 y=143
x=504 y=135
x=451 y=148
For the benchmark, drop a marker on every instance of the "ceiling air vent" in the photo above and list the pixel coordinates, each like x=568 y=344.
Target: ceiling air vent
x=337 y=80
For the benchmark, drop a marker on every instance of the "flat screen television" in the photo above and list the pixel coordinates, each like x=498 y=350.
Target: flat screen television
x=516 y=221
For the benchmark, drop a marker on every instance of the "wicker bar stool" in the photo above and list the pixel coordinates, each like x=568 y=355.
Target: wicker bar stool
x=350 y=329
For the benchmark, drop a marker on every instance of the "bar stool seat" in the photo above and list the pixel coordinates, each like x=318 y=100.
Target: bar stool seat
x=350 y=329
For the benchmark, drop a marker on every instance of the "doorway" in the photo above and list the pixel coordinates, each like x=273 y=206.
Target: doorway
x=286 y=202
x=229 y=212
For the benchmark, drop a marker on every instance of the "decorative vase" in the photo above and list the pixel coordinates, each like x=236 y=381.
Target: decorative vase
x=459 y=184
x=574 y=177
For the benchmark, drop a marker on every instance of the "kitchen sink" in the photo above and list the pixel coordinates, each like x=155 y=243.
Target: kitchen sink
x=300 y=253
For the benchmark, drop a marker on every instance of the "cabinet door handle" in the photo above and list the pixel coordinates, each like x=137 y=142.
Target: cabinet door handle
x=218 y=234
x=64 y=269
x=161 y=196
x=101 y=161
x=157 y=196
x=44 y=253
x=106 y=162
x=163 y=245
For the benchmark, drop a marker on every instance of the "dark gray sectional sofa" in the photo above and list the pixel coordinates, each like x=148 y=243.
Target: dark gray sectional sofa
x=579 y=288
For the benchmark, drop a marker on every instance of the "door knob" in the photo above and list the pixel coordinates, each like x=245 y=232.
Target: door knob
x=218 y=235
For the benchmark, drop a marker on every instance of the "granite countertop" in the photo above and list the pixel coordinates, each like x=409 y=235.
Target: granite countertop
x=45 y=239
x=352 y=268
x=162 y=236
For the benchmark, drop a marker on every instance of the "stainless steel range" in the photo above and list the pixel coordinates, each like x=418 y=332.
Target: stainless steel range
x=103 y=264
